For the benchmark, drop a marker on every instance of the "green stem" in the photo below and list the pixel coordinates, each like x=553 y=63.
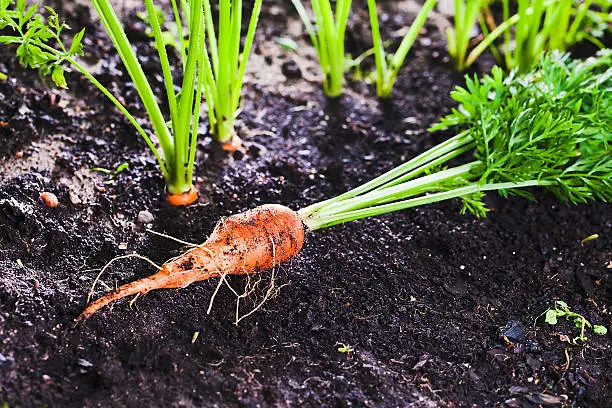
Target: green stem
x=179 y=28
x=125 y=112
x=379 y=51
x=571 y=34
x=130 y=61
x=246 y=52
x=485 y=31
x=212 y=38
x=448 y=146
x=400 y=191
x=198 y=99
x=181 y=184
x=163 y=59
x=482 y=46
x=402 y=52
x=314 y=222
x=223 y=110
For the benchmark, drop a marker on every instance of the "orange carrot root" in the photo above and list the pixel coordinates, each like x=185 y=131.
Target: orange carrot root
x=187 y=198
x=235 y=143
x=244 y=243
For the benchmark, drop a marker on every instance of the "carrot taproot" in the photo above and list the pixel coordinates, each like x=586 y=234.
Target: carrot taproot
x=244 y=243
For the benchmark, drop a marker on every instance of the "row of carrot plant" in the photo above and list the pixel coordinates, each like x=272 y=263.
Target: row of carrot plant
x=538 y=26
x=215 y=71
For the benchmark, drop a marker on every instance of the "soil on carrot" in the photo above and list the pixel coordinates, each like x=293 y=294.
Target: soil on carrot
x=422 y=308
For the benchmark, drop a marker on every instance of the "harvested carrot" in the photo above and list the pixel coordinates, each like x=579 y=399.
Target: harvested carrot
x=242 y=244
x=184 y=199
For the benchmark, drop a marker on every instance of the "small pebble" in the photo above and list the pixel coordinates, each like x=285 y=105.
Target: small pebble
x=145 y=217
x=49 y=199
x=74 y=198
x=84 y=363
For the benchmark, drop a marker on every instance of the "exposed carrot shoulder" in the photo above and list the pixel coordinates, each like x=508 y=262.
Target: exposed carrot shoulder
x=186 y=198
x=245 y=243
x=233 y=144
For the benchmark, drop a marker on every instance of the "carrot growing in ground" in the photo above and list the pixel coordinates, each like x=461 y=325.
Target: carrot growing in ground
x=212 y=69
x=550 y=128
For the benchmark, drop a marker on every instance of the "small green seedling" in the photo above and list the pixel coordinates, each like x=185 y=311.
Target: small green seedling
x=111 y=173
x=345 y=348
x=328 y=40
x=561 y=309
x=387 y=66
x=592 y=237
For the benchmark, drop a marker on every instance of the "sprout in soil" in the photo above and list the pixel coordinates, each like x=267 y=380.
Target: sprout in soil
x=328 y=40
x=537 y=27
x=458 y=37
x=562 y=310
x=216 y=71
x=550 y=128
x=387 y=66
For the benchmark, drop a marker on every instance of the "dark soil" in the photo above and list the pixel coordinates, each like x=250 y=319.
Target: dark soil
x=423 y=297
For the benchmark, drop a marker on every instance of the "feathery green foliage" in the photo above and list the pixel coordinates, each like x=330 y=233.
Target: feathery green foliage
x=35 y=36
x=551 y=127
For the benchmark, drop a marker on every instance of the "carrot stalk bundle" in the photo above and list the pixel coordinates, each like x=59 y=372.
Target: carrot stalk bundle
x=549 y=128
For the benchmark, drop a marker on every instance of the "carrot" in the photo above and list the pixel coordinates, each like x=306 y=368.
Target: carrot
x=244 y=243
x=184 y=199
x=233 y=144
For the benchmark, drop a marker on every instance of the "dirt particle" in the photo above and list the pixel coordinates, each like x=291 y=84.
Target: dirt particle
x=145 y=217
x=291 y=70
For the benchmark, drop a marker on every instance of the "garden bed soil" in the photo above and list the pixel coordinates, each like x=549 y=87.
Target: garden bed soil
x=422 y=297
